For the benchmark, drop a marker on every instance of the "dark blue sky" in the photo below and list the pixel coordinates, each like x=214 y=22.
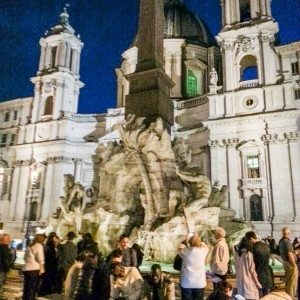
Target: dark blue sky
x=107 y=28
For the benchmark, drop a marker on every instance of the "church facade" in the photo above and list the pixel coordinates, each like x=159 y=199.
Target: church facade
x=236 y=105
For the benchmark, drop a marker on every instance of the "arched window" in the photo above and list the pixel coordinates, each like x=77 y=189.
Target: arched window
x=192 y=86
x=248 y=68
x=48 y=106
x=53 y=57
x=245 y=11
x=256 y=212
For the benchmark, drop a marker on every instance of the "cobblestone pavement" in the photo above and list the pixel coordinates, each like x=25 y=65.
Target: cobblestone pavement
x=14 y=285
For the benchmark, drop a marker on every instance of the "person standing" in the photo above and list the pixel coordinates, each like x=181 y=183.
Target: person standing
x=289 y=262
x=87 y=243
x=261 y=256
x=246 y=278
x=220 y=255
x=129 y=256
x=67 y=254
x=34 y=266
x=6 y=259
x=192 y=274
x=48 y=283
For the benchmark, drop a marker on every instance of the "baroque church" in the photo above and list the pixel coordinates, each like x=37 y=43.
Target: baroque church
x=235 y=99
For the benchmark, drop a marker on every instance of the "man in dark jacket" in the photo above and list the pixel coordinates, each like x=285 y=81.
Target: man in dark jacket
x=6 y=259
x=66 y=258
x=261 y=256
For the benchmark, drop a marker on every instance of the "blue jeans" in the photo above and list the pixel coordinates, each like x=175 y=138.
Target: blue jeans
x=192 y=294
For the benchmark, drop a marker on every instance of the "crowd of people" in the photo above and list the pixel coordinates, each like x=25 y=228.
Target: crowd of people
x=79 y=271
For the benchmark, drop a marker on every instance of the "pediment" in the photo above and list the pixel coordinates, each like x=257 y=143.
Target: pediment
x=195 y=63
x=247 y=145
x=110 y=137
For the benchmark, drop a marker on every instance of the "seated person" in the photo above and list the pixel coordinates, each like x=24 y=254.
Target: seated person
x=160 y=286
x=125 y=282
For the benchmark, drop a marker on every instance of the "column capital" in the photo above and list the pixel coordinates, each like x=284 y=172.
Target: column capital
x=292 y=137
x=272 y=138
x=231 y=142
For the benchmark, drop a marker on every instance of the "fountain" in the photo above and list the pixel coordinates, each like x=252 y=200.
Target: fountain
x=147 y=190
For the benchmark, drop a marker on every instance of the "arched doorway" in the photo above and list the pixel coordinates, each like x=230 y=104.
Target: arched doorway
x=256 y=210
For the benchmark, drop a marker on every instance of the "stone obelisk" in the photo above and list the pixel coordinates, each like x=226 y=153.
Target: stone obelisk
x=149 y=86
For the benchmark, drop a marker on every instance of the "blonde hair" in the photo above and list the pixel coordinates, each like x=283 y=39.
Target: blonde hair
x=220 y=232
x=195 y=241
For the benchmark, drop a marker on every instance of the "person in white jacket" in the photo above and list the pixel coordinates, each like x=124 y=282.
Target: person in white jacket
x=220 y=255
x=73 y=275
x=34 y=267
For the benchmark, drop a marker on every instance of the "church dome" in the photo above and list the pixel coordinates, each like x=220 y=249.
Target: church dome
x=63 y=26
x=180 y=22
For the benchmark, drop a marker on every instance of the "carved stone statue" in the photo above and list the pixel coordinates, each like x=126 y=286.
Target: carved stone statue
x=213 y=77
x=219 y=198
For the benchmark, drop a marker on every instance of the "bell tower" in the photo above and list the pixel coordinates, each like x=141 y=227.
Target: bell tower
x=57 y=83
x=247 y=44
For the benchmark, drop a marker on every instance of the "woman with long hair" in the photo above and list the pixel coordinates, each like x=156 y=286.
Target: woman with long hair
x=246 y=278
x=51 y=260
x=192 y=274
x=34 y=267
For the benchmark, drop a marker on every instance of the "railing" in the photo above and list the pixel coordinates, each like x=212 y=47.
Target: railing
x=253 y=183
x=183 y=104
x=249 y=84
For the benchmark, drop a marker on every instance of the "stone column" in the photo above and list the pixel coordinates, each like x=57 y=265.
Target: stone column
x=74 y=60
x=268 y=8
x=62 y=54
x=268 y=61
x=15 y=188
x=78 y=63
x=232 y=171
x=21 y=201
x=48 y=190
x=280 y=181
x=78 y=167
x=58 y=103
x=48 y=57
x=68 y=56
x=228 y=65
x=263 y=8
x=218 y=161
x=253 y=9
x=36 y=101
x=294 y=154
x=42 y=58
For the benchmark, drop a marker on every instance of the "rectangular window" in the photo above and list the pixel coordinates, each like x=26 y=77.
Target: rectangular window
x=12 y=139
x=15 y=115
x=253 y=166
x=295 y=68
x=192 y=84
x=297 y=94
x=3 y=140
x=6 y=116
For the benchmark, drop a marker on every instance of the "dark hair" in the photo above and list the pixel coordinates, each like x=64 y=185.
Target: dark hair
x=116 y=253
x=123 y=236
x=223 y=285
x=250 y=234
x=83 y=255
x=71 y=235
x=88 y=237
x=155 y=267
x=115 y=265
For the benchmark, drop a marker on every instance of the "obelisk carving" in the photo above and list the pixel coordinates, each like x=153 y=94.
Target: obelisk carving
x=149 y=86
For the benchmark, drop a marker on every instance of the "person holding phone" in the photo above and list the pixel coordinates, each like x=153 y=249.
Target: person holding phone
x=192 y=274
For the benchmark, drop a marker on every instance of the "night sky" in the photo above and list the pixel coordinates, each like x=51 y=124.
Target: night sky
x=107 y=28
